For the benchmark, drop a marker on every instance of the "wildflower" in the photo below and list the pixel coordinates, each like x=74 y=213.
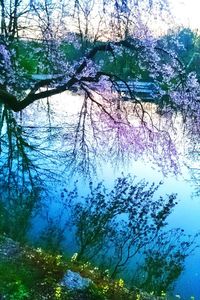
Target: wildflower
x=138 y=297
x=39 y=250
x=163 y=294
x=105 y=289
x=121 y=283
x=74 y=257
x=58 y=260
x=58 y=292
x=87 y=264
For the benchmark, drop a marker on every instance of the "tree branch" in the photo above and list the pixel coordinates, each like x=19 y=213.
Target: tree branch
x=14 y=104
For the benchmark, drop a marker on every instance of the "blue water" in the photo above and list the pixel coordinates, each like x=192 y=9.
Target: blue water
x=185 y=215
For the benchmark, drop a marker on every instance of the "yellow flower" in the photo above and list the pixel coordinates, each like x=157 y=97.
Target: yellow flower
x=121 y=283
x=163 y=293
x=58 y=292
x=39 y=250
x=138 y=297
x=105 y=289
x=87 y=264
x=74 y=257
x=58 y=260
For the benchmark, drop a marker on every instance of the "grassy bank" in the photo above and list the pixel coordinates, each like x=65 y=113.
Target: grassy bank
x=32 y=273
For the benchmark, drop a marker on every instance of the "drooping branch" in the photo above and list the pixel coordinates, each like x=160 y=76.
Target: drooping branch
x=56 y=83
x=12 y=103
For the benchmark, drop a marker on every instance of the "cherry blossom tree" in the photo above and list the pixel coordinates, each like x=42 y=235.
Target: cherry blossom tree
x=109 y=126
x=123 y=29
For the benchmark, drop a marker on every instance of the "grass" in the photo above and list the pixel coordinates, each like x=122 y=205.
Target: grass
x=35 y=274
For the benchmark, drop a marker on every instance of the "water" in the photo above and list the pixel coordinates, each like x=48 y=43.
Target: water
x=136 y=157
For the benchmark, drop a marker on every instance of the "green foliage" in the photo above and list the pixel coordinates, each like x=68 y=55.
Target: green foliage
x=70 y=52
x=33 y=275
x=127 y=65
x=15 y=280
x=30 y=58
x=27 y=54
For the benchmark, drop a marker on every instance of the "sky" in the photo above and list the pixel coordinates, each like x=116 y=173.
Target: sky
x=186 y=12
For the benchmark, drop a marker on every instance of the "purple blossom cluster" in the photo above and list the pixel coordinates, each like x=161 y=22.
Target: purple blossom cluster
x=120 y=32
x=5 y=63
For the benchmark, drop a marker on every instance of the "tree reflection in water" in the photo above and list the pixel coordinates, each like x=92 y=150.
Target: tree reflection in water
x=128 y=221
x=106 y=130
x=113 y=229
x=20 y=182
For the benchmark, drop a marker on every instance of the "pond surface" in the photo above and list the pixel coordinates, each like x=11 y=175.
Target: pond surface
x=144 y=164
